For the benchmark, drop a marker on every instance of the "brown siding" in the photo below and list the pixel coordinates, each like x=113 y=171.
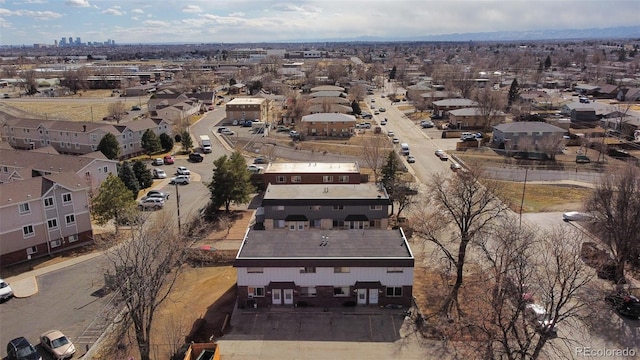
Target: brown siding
x=19 y=256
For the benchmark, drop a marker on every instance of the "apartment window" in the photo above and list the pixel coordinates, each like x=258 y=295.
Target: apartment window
x=52 y=224
x=280 y=224
x=27 y=231
x=55 y=243
x=314 y=207
x=338 y=207
x=125 y=146
x=281 y=179
x=70 y=219
x=69 y=145
x=343 y=178
x=66 y=198
x=48 y=202
x=5 y=169
x=292 y=226
x=72 y=238
x=316 y=224
x=341 y=270
x=375 y=207
x=24 y=208
x=256 y=291
x=395 y=269
x=255 y=270
x=340 y=291
x=94 y=137
x=309 y=291
x=338 y=223
x=308 y=270
x=32 y=250
x=327 y=179
x=278 y=207
x=77 y=146
x=374 y=223
x=394 y=291
x=296 y=179
x=124 y=136
x=105 y=169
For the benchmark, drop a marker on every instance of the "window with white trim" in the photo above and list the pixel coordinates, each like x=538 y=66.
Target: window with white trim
x=70 y=219
x=375 y=207
x=341 y=270
x=341 y=291
x=327 y=179
x=255 y=270
x=94 y=137
x=66 y=198
x=343 y=178
x=48 y=202
x=308 y=270
x=72 y=238
x=25 y=208
x=338 y=207
x=32 y=250
x=281 y=179
x=27 y=231
x=296 y=179
x=394 y=291
x=255 y=291
x=55 y=243
x=52 y=224
x=308 y=291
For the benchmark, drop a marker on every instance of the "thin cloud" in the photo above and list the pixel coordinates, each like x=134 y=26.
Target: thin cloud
x=41 y=15
x=137 y=11
x=113 y=11
x=192 y=9
x=78 y=3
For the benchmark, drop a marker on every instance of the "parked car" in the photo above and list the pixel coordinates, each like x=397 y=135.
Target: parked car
x=383 y=122
x=159 y=174
x=228 y=132
x=382 y=109
x=282 y=128
x=180 y=179
x=157 y=162
x=436 y=117
x=376 y=112
x=168 y=160
x=253 y=168
x=455 y=166
x=196 y=157
x=439 y=152
x=367 y=116
x=260 y=160
x=624 y=304
x=426 y=124
x=411 y=159
x=183 y=171
x=390 y=133
x=157 y=194
x=294 y=133
x=57 y=344
x=444 y=156
x=151 y=203
x=576 y=216
x=221 y=129
x=135 y=108
x=540 y=319
x=6 y=292
x=396 y=140
x=21 y=349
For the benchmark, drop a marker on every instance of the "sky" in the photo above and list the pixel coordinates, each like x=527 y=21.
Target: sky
x=27 y=22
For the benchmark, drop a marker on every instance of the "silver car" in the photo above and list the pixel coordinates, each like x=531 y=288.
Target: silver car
x=180 y=179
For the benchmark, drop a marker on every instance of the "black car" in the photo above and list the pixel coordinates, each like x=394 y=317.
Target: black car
x=196 y=157
x=260 y=160
x=158 y=194
x=624 y=304
x=21 y=349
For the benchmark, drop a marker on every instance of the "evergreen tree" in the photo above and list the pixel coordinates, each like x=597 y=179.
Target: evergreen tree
x=392 y=73
x=145 y=179
x=231 y=181
x=186 y=142
x=113 y=199
x=166 y=141
x=178 y=138
x=150 y=142
x=547 y=62
x=129 y=179
x=390 y=172
x=109 y=146
x=514 y=92
x=356 y=107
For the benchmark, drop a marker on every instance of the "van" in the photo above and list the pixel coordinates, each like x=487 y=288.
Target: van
x=404 y=148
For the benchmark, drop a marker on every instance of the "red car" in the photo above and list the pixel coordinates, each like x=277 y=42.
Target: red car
x=168 y=159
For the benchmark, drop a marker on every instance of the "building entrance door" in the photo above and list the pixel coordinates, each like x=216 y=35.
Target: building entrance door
x=288 y=296
x=373 y=296
x=362 y=296
x=276 y=297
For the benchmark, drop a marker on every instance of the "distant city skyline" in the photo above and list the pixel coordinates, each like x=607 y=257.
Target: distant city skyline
x=28 y=22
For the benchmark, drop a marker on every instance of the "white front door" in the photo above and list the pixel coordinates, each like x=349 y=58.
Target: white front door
x=373 y=296
x=276 y=297
x=362 y=296
x=288 y=296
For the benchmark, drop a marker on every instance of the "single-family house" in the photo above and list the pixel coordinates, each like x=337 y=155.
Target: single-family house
x=473 y=118
x=444 y=106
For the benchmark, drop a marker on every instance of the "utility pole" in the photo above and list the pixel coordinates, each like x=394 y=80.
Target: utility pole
x=524 y=187
x=178 y=207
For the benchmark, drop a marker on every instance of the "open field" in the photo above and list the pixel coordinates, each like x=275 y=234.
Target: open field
x=86 y=106
x=542 y=197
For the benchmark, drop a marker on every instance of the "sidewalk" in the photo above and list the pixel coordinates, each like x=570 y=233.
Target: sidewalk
x=26 y=284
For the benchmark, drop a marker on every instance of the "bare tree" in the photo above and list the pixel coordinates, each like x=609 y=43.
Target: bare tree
x=374 y=153
x=75 y=80
x=335 y=72
x=296 y=107
x=29 y=82
x=471 y=206
x=490 y=103
x=551 y=145
x=615 y=205
x=525 y=144
x=117 y=110
x=144 y=270
x=357 y=92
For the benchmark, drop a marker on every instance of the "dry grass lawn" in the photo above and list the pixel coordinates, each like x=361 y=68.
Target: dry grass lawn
x=542 y=197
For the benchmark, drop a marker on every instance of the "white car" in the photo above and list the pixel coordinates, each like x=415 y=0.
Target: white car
x=159 y=174
x=540 y=319
x=5 y=290
x=183 y=171
x=151 y=203
x=576 y=216
x=390 y=133
x=254 y=169
x=228 y=132
x=180 y=179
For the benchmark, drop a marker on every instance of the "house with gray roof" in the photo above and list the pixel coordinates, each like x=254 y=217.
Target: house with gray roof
x=473 y=118
x=510 y=134
x=444 y=106
x=43 y=215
